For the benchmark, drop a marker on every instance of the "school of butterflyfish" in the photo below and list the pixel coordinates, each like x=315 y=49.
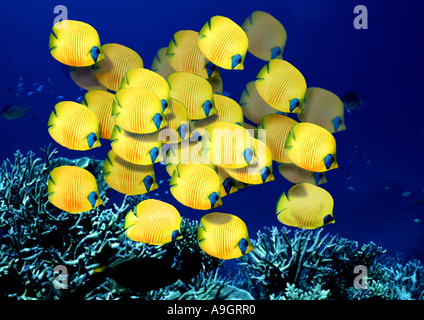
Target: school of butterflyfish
x=176 y=114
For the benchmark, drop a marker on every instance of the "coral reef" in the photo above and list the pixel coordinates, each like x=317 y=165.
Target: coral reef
x=49 y=254
x=311 y=265
x=37 y=239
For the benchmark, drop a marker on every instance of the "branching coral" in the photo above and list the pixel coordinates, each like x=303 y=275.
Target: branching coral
x=293 y=293
x=305 y=261
x=98 y=261
x=90 y=246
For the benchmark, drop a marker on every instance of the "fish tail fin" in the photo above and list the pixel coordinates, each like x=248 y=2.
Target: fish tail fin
x=282 y=205
x=176 y=176
x=52 y=119
x=53 y=40
x=290 y=140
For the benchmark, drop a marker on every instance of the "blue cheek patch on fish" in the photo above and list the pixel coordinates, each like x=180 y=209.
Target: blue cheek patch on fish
x=294 y=103
x=275 y=52
x=175 y=235
x=337 y=121
x=154 y=153
x=148 y=182
x=235 y=61
x=248 y=155
x=207 y=107
x=182 y=131
x=317 y=177
x=157 y=119
x=213 y=198
x=164 y=104
x=265 y=172
x=92 y=197
x=95 y=52
x=228 y=184
x=328 y=219
x=92 y=139
x=243 y=244
x=328 y=160
x=210 y=68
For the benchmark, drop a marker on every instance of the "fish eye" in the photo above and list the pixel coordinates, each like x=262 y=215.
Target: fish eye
x=207 y=107
x=95 y=53
x=148 y=182
x=337 y=121
x=157 y=119
x=236 y=60
x=243 y=244
x=328 y=219
x=265 y=172
x=164 y=104
x=154 y=153
x=228 y=184
x=328 y=160
x=248 y=155
x=275 y=52
x=92 y=198
x=213 y=198
x=317 y=177
x=91 y=139
x=210 y=68
x=294 y=103
x=182 y=131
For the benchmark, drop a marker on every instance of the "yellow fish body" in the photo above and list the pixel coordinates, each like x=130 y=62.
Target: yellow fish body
x=73 y=189
x=311 y=147
x=126 y=177
x=267 y=36
x=147 y=79
x=74 y=126
x=324 y=108
x=160 y=63
x=223 y=236
x=194 y=92
x=153 y=222
x=260 y=171
x=252 y=105
x=281 y=86
x=223 y=43
x=228 y=145
x=228 y=111
x=178 y=127
x=196 y=186
x=84 y=78
x=75 y=43
x=138 y=110
x=142 y=149
x=100 y=102
x=277 y=128
x=294 y=174
x=305 y=206
x=119 y=59
x=184 y=55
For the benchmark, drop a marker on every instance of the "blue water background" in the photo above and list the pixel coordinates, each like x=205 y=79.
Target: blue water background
x=382 y=146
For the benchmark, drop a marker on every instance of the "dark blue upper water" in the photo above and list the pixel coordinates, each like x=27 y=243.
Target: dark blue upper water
x=381 y=148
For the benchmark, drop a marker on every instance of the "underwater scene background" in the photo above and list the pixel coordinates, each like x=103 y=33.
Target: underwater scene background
x=378 y=188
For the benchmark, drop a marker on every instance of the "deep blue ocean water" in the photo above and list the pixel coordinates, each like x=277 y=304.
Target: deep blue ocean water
x=381 y=149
